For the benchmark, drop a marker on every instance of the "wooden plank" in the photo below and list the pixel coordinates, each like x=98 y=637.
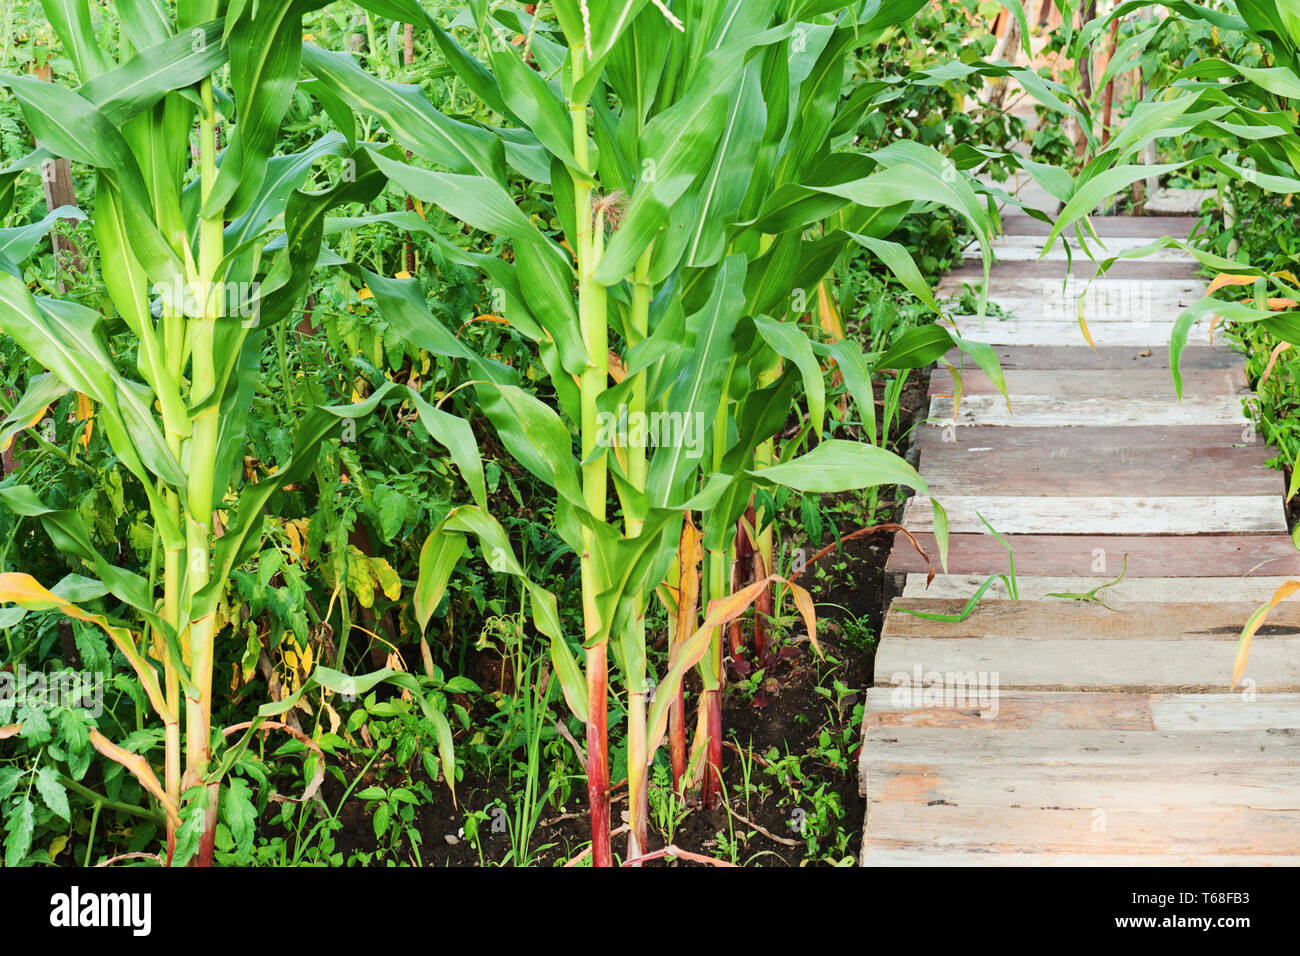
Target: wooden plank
x=1174 y=201
x=1132 y=665
x=1043 y=410
x=1048 y=305
x=1020 y=248
x=1255 y=590
x=1065 y=357
x=1082 y=268
x=1226 y=712
x=1179 y=785
x=1089 y=746
x=1060 y=514
x=1121 y=442
x=1024 y=332
x=1033 y=710
x=1067 y=554
x=1147 y=227
x=1070 y=383
x=891 y=707
x=893 y=857
x=1080 y=621
x=1100 y=295
x=1116 y=831
x=971 y=468
x=1024 y=476
x=1045 y=308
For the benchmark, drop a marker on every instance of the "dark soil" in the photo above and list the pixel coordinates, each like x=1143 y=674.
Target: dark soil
x=790 y=713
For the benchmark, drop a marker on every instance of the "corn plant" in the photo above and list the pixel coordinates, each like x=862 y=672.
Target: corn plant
x=200 y=252
x=1248 y=109
x=689 y=152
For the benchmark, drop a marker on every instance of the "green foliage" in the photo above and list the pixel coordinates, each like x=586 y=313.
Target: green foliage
x=291 y=455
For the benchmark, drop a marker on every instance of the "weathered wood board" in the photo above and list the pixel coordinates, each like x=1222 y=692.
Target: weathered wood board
x=1181 y=785
x=1188 y=514
x=1057 y=729
x=1132 y=665
x=1144 y=227
x=1021 y=248
x=1067 y=412
x=1030 y=331
x=1085 y=621
x=1104 y=357
x=1081 y=268
x=1067 y=555
x=1090 y=439
x=1102 y=304
x=1255 y=589
x=1077 y=383
x=977 y=468
x=1103 y=294
x=983 y=856
x=1025 y=710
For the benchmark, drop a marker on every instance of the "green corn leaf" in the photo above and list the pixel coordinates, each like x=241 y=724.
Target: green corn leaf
x=265 y=44
x=791 y=342
x=145 y=23
x=477 y=200
x=537 y=106
x=899 y=261
x=71 y=21
x=918 y=347
x=438 y=558
x=839 y=465
x=175 y=63
x=409 y=117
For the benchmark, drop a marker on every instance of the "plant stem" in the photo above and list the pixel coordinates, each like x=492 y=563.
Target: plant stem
x=595 y=336
x=719 y=564
x=638 y=759
x=200 y=496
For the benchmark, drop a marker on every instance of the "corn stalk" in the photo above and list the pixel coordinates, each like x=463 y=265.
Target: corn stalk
x=687 y=150
x=200 y=254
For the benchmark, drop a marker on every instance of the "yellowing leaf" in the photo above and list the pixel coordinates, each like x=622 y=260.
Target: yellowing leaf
x=296 y=532
x=617 y=371
x=359 y=578
x=1084 y=325
x=386 y=578
x=57 y=845
x=138 y=766
x=1253 y=625
x=1227 y=278
x=25 y=591
x=85 y=413
x=36 y=420
x=1272 y=360
x=828 y=312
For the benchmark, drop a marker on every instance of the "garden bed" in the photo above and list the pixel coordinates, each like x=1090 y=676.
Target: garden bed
x=790 y=758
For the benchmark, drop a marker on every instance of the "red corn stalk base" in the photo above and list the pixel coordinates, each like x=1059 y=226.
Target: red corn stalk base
x=598 y=757
x=712 y=795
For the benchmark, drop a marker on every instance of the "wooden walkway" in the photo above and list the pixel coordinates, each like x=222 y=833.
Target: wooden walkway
x=1049 y=730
